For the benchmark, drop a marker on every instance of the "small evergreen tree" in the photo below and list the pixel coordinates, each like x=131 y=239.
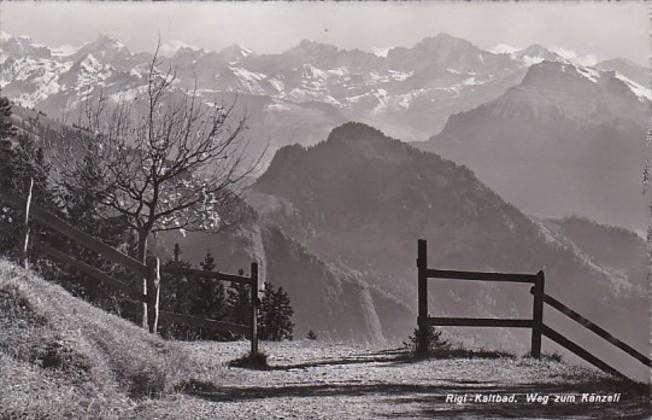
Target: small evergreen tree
x=21 y=164
x=179 y=290
x=176 y=296
x=275 y=315
x=210 y=301
x=433 y=337
x=311 y=335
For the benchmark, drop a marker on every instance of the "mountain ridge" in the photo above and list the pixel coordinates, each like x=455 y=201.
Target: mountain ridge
x=409 y=93
x=362 y=199
x=562 y=142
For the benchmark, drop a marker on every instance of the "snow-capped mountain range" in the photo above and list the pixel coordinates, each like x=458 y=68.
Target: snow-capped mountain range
x=301 y=93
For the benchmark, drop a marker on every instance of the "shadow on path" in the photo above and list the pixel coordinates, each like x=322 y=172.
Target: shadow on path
x=430 y=401
x=634 y=403
x=350 y=361
x=410 y=400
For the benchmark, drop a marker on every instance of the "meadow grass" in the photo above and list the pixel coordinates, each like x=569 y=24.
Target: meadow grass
x=60 y=357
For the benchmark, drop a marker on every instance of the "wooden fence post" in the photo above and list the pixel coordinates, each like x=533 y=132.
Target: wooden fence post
x=537 y=315
x=422 y=320
x=153 y=292
x=254 y=308
x=24 y=251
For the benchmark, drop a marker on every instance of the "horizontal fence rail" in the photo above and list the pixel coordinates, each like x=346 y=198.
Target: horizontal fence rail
x=81 y=266
x=579 y=351
x=58 y=225
x=539 y=329
x=481 y=276
x=424 y=320
x=90 y=270
x=479 y=322
x=191 y=272
x=549 y=300
x=208 y=324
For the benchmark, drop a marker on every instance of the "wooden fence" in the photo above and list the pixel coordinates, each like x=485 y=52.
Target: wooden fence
x=151 y=270
x=535 y=323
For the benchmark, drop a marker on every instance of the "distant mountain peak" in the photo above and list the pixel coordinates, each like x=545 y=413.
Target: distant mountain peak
x=308 y=43
x=354 y=131
x=555 y=73
x=105 y=41
x=104 y=48
x=536 y=49
x=308 y=46
x=442 y=39
x=22 y=45
x=235 y=53
x=179 y=48
x=537 y=53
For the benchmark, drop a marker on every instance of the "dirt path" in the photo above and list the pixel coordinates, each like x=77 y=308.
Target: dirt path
x=313 y=380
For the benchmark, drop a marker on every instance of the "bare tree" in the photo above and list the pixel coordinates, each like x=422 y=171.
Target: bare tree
x=164 y=159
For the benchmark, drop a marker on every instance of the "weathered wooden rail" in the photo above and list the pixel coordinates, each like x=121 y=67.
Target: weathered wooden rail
x=151 y=270
x=425 y=273
x=535 y=323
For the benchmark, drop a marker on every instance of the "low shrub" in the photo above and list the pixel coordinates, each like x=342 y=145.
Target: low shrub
x=440 y=348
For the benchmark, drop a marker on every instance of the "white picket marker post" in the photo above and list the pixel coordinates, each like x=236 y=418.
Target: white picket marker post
x=24 y=252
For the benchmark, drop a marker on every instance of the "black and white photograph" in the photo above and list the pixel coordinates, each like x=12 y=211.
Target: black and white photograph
x=325 y=210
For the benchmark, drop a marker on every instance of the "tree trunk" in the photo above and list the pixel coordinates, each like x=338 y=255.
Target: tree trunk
x=142 y=255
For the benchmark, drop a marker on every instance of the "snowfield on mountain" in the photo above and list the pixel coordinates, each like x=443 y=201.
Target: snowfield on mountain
x=406 y=92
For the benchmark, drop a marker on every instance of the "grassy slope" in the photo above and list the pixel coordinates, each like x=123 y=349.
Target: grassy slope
x=62 y=358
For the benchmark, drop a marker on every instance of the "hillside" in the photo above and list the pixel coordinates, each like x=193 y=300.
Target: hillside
x=363 y=199
x=62 y=358
x=566 y=141
x=619 y=250
x=329 y=298
x=630 y=70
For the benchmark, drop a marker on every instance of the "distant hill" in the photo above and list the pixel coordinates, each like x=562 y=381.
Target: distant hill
x=630 y=70
x=618 y=250
x=363 y=199
x=567 y=140
x=331 y=299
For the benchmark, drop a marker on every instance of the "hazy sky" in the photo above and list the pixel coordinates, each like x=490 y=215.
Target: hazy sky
x=605 y=29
